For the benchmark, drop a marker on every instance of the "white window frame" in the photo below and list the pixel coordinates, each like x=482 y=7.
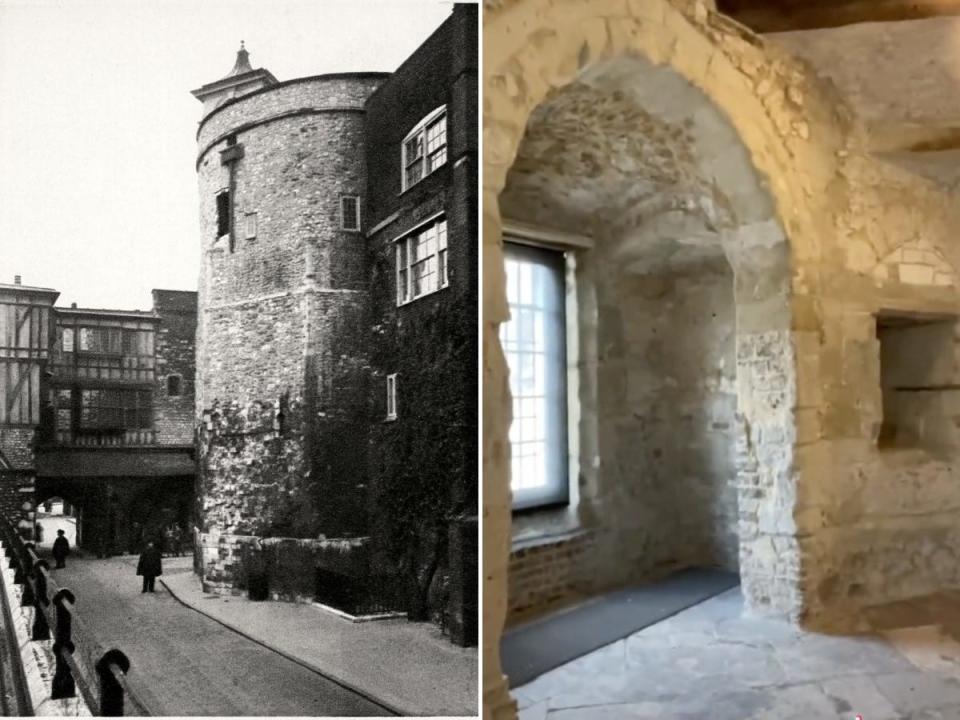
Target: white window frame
x=426 y=157
x=343 y=213
x=392 y=396
x=438 y=259
x=556 y=491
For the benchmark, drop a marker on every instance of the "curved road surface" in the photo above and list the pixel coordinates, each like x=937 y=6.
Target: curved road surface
x=189 y=664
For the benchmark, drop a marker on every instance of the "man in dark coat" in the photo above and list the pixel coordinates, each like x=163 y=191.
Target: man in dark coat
x=149 y=566
x=61 y=548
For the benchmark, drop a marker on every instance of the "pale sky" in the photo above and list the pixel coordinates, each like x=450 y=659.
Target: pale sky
x=98 y=192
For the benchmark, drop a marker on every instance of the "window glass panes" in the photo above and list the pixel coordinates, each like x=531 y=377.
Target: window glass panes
x=534 y=342
x=422 y=262
x=425 y=148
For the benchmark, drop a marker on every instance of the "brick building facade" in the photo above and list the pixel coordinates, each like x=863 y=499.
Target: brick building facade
x=336 y=358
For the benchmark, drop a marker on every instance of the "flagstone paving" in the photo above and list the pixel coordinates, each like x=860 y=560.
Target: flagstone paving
x=716 y=661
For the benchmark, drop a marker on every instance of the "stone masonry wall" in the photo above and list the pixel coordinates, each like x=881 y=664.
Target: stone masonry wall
x=282 y=315
x=224 y=563
x=176 y=355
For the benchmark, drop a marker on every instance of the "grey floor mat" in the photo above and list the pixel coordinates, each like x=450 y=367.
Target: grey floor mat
x=528 y=651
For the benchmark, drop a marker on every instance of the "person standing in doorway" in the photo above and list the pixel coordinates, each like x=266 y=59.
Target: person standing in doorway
x=150 y=566
x=177 y=537
x=61 y=548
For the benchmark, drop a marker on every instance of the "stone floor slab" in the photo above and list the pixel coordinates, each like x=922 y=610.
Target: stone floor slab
x=716 y=661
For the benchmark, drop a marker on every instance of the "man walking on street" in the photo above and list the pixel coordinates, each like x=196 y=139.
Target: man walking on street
x=149 y=566
x=61 y=548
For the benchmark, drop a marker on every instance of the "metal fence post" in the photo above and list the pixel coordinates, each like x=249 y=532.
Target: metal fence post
x=111 y=691
x=41 y=627
x=64 y=685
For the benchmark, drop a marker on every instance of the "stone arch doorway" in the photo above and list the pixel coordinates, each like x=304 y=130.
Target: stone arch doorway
x=669 y=185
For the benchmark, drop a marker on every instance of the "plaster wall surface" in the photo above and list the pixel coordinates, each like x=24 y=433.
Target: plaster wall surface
x=895 y=75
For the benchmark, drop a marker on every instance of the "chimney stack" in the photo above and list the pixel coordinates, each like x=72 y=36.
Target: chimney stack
x=16 y=279
x=73 y=305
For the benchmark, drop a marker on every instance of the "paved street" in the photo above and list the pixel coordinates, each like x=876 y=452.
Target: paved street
x=189 y=664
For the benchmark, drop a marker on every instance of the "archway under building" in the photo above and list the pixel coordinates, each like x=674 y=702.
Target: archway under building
x=117 y=516
x=674 y=276
x=54 y=514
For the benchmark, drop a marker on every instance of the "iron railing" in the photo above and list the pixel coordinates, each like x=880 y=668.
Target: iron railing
x=81 y=663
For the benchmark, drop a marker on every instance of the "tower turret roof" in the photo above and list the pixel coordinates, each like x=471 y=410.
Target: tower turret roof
x=242 y=65
x=241 y=79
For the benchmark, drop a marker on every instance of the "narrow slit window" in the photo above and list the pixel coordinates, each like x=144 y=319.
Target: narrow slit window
x=392 y=397
x=223 y=213
x=251 y=223
x=349 y=212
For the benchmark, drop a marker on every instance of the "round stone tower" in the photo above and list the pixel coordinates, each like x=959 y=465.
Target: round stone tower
x=281 y=351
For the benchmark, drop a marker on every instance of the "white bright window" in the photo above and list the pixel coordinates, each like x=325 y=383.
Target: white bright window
x=424 y=149
x=349 y=212
x=422 y=262
x=251 y=225
x=392 y=397
x=535 y=345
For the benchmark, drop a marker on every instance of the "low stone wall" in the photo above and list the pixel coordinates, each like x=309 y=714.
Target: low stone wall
x=224 y=562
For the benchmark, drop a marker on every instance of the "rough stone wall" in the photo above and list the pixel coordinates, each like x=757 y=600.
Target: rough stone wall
x=176 y=355
x=830 y=522
x=282 y=315
x=225 y=563
x=792 y=129
x=897 y=75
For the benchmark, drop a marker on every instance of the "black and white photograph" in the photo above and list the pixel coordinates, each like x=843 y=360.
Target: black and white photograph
x=239 y=358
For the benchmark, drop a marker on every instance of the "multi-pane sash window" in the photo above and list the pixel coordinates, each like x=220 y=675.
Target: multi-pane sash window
x=116 y=409
x=534 y=342
x=425 y=148
x=422 y=262
x=101 y=340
